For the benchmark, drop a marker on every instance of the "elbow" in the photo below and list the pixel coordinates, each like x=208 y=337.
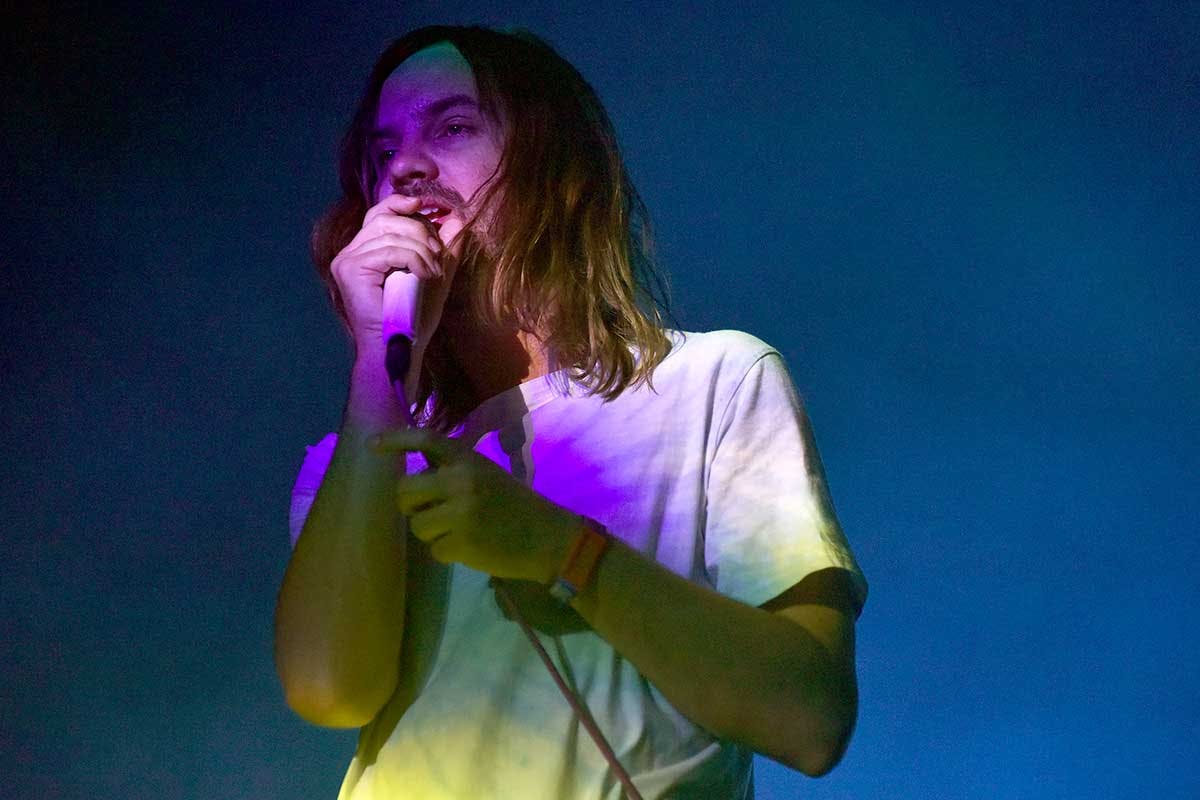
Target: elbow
x=332 y=693
x=328 y=681
x=816 y=762
x=817 y=743
x=824 y=750
x=324 y=706
x=812 y=751
x=816 y=756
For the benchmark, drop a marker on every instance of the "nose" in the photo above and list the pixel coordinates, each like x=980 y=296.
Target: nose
x=411 y=165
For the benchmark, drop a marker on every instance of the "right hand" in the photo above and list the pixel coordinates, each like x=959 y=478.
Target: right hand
x=392 y=238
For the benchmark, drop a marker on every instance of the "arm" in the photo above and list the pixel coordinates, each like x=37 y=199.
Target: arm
x=779 y=679
x=339 y=621
x=339 y=617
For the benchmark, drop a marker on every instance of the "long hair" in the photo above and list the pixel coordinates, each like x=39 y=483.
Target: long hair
x=574 y=265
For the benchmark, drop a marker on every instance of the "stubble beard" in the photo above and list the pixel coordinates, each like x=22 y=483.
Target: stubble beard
x=469 y=298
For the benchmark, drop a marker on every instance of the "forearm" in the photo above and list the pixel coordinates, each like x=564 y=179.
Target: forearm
x=780 y=682
x=742 y=673
x=339 y=619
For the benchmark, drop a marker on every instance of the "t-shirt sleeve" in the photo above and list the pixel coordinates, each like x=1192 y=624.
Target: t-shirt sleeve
x=770 y=520
x=316 y=461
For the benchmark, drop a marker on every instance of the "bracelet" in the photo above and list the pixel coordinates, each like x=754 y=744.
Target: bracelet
x=579 y=567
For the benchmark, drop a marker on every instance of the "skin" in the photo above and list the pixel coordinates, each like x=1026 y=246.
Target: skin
x=791 y=691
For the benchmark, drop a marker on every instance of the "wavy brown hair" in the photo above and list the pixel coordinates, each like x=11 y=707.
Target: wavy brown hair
x=573 y=264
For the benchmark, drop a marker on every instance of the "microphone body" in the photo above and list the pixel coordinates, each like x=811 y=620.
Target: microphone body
x=412 y=309
x=402 y=296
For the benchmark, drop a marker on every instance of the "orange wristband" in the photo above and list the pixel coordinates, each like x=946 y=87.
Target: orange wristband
x=579 y=567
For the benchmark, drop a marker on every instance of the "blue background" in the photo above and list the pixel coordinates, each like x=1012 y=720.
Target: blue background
x=970 y=228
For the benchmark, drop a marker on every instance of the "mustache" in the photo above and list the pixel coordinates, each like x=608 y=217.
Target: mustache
x=432 y=190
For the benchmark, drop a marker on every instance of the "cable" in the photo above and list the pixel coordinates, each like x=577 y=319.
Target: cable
x=581 y=710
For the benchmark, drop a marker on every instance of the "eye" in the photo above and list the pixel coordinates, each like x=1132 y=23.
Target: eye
x=385 y=155
x=456 y=129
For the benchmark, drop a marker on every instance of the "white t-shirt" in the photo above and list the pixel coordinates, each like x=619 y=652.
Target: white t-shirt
x=713 y=473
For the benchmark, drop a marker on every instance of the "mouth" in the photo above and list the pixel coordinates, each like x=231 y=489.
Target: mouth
x=435 y=213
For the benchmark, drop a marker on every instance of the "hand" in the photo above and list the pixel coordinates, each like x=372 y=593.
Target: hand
x=392 y=238
x=472 y=512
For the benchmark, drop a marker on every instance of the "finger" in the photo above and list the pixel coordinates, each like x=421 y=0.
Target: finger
x=444 y=550
x=391 y=229
x=413 y=225
x=419 y=491
x=398 y=204
x=435 y=447
x=389 y=258
x=431 y=523
x=428 y=257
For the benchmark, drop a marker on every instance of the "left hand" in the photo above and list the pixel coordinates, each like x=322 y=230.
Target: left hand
x=470 y=511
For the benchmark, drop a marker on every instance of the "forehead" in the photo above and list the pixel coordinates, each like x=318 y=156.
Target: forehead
x=437 y=72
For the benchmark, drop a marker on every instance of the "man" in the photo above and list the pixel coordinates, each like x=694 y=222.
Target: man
x=665 y=486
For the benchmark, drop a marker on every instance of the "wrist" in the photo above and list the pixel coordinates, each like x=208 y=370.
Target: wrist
x=578 y=560
x=372 y=405
x=370 y=352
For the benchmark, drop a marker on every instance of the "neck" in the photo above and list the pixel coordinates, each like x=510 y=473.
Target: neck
x=494 y=358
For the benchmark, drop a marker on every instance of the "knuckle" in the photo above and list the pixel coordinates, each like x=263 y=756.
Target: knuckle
x=440 y=552
x=419 y=527
x=394 y=255
x=338 y=269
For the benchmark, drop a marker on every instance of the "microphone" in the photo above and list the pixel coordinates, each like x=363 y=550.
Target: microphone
x=402 y=298
x=412 y=309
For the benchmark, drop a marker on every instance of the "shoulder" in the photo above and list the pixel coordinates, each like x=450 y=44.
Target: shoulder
x=727 y=353
x=724 y=342
x=708 y=369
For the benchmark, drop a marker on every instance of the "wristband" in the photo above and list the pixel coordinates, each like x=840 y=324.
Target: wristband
x=579 y=567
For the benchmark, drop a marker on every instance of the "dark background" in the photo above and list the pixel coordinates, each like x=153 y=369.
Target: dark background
x=970 y=227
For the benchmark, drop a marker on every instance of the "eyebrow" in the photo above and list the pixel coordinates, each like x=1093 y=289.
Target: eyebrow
x=434 y=109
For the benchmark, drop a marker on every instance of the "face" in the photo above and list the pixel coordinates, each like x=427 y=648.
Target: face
x=431 y=138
